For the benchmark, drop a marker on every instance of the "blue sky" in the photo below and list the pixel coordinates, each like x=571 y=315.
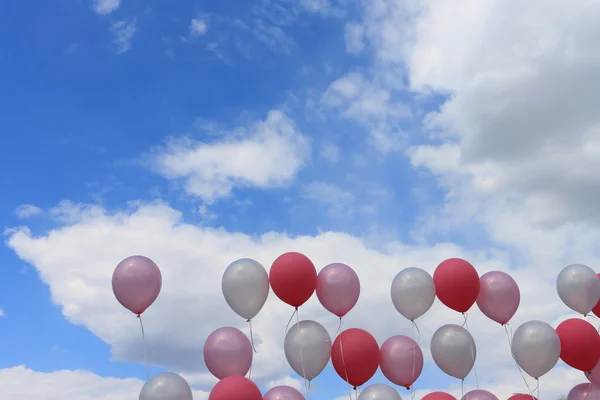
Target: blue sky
x=378 y=134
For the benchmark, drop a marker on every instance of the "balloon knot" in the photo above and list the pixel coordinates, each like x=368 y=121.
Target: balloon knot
x=407 y=387
x=354 y=388
x=139 y=315
x=248 y=320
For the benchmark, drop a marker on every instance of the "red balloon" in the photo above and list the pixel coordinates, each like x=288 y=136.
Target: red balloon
x=360 y=358
x=235 y=388
x=596 y=309
x=456 y=284
x=579 y=344
x=293 y=278
x=522 y=397
x=438 y=396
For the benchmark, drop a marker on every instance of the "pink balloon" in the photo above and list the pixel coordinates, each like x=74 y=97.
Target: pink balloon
x=228 y=352
x=401 y=360
x=499 y=296
x=521 y=396
x=283 y=393
x=584 y=391
x=438 y=396
x=136 y=283
x=338 y=288
x=479 y=394
x=594 y=375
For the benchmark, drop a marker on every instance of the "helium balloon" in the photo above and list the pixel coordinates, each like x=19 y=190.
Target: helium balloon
x=453 y=350
x=596 y=309
x=594 y=375
x=438 y=396
x=338 y=288
x=456 y=284
x=413 y=292
x=584 y=391
x=136 y=283
x=499 y=296
x=580 y=344
x=293 y=278
x=235 y=388
x=166 y=385
x=479 y=394
x=245 y=286
x=355 y=356
x=401 y=360
x=521 y=396
x=578 y=287
x=536 y=348
x=379 y=391
x=283 y=393
x=307 y=348
x=228 y=352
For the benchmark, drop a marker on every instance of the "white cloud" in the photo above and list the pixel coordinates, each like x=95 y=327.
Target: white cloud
x=338 y=201
x=123 y=32
x=354 y=38
x=105 y=7
x=27 y=211
x=198 y=27
x=268 y=154
x=330 y=152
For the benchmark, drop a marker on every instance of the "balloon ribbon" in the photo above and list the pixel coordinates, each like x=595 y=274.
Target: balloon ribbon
x=144 y=344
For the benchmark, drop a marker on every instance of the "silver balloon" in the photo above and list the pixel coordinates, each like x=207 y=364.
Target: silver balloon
x=245 y=287
x=536 y=347
x=166 y=386
x=413 y=292
x=578 y=287
x=307 y=348
x=453 y=350
x=379 y=391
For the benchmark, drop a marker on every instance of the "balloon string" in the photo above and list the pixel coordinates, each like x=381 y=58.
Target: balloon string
x=509 y=338
x=339 y=329
x=249 y=321
x=290 y=320
x=144 y=344
x=594 y=317
x=345 y=370
x=472 y=354
x=462 y=389
x=414 y=367
x=416 y=327
x=306 y=381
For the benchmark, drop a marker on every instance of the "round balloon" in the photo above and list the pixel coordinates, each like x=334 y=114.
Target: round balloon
x=136 y=283
x=283 y=393
x=307 y=348
x=499 y=296
x=338 y=288
x=594 y=375
x=166 y=385
x=379 y=391
x=401 y=360
x=536 y=348
x=479 y=394
x=521 y=396
x=584 y=391
x=228 y=352
x=580 y=344
x=235 y=388
x=453 y=350
x=578 y=287
x=438 y=396
x=293 y=278
x=245 y=286
x=355 y=356
x=456 y=284
x=413 y=292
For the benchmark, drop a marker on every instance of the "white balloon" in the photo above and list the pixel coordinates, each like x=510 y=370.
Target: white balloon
x=379 y=391
x=166 y=385
x=536 y=348
x=453 y=350
x=245 y=287
x=307 y=348
x=413 y=292
x=578 y=287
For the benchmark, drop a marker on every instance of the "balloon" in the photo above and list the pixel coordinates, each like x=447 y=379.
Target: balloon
x=499 y=296
x=379 y=391
x=136 y=283
x=456 y=284
x=584 y=391
x=245 y=286
x=413 y=292
x=596 y=309
x=580 y=344
x=283 y=393
x=338 y=288
x=235 y=388
x=479 y=394
x=578 y=287
x=520 y=396
x=536 y=348
x=166 y=385
x=594 y=375
x=453 y=350
x=228 y=352
x=293 y=278
x=438 y=396
x=401 y=360
x=307 y=348
x=355 y=356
